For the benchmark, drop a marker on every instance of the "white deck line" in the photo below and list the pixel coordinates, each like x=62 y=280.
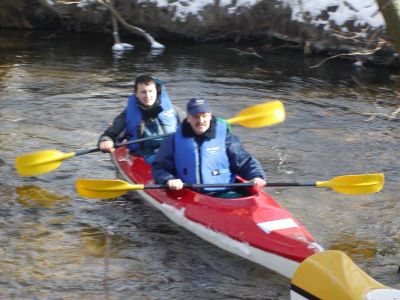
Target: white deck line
x=281 y=265
x=270 y=226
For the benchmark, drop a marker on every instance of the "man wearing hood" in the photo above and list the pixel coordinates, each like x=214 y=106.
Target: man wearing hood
x=149 y=113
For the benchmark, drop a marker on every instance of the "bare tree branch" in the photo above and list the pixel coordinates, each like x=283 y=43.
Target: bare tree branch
x=250 y=52
x=390 y=117
x=380 y=44
x=117 y=40
x=134 y=29
x=115 y=16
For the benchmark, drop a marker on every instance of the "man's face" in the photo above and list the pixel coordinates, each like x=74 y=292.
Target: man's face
x=147 y=94
x=200 y=122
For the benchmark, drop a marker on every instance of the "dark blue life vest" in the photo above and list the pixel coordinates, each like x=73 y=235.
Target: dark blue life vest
x=167 y=121
x=208 y=163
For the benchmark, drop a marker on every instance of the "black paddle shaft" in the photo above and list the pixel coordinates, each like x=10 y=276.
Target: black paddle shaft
x=240 y=184
x=87 y=151
x=283 y=184
x=201 y=185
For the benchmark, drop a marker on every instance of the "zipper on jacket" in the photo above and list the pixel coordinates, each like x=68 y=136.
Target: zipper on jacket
x=199 y=178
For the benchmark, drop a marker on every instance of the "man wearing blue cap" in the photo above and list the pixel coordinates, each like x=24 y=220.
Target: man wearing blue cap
x=202 y=150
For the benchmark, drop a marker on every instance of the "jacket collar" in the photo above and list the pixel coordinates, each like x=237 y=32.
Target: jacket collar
x=150 y=112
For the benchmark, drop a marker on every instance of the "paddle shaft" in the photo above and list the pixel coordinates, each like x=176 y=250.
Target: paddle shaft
x=199 y=185
x=97 y=149
x=283 y=184
x=240 y=184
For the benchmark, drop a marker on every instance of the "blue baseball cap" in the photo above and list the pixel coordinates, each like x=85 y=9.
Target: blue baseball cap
x=197 y=105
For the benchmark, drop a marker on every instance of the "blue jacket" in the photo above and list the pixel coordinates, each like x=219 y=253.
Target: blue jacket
x=240 y=161
x=151 y=125
x=162 y=119
x=203 y=162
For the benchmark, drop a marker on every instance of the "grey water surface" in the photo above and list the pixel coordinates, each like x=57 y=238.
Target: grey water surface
x=61 y=91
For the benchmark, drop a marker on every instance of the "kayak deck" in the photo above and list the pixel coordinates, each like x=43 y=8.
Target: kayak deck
x=255 y=227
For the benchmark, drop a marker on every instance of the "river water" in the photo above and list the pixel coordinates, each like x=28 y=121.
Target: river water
x=60 y=92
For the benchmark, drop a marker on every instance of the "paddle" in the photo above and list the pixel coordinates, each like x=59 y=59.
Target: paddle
x=45 y=161
x=347 y=184
x=260 y=115
x=36 y=163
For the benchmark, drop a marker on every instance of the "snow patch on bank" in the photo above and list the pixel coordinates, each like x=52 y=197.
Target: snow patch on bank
x=186 y=8
x=338 y=12
x=362 y=12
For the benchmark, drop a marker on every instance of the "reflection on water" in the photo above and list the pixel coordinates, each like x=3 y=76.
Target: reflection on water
x=157 y=52
x=60 y=93
x=33 y=196
x=357 y=249
x=101 y=244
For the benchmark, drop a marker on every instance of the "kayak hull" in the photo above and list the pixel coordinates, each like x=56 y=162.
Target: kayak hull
x=254 y=227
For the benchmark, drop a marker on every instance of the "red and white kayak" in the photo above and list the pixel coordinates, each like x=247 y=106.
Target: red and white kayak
x=255 y=227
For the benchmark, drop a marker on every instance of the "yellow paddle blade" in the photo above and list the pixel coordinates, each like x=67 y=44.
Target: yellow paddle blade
x=261 y=115
x=355 y=184
x=332 y=275
x=104 y=188
x=40 y=162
